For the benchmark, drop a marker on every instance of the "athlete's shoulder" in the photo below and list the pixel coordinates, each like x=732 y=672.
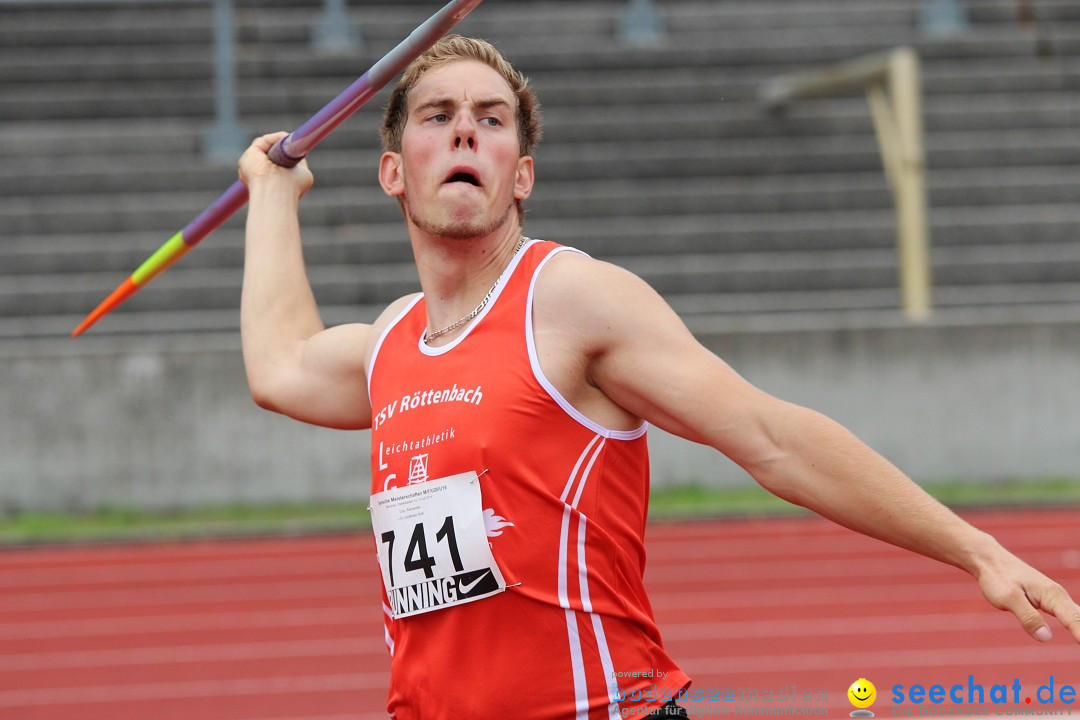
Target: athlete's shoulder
x=392 y=312
x=569 y=279
x=593 y=301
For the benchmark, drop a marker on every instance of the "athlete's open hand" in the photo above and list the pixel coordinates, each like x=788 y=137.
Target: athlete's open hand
x=257 y=170
x=1008 y=583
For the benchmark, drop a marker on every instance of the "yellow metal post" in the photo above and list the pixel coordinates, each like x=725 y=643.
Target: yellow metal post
x=910 y=188
x=892 y=86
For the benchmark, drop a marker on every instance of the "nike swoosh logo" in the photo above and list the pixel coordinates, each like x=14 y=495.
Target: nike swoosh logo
x=464 y=588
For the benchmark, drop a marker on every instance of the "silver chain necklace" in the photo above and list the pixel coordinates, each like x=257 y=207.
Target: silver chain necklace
x=429 y=336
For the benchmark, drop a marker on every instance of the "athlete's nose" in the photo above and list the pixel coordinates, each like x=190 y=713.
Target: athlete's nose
x=464 y=132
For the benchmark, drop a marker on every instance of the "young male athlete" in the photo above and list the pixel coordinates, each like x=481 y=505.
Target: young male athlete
x=508 y=405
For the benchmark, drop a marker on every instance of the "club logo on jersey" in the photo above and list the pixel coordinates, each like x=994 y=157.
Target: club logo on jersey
x=418 y=469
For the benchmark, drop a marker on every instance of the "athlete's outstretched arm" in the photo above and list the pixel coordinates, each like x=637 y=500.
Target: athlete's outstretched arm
x=640 y=354
x=294 y=365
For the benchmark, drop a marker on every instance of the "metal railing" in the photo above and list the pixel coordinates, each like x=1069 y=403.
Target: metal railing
x=893 y=89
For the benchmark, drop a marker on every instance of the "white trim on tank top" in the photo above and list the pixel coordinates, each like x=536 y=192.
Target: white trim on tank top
x=503 y=279
x=385 y=332
x=538 y=373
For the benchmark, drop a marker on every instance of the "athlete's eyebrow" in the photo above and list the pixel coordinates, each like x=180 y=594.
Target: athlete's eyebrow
x=446 y=103
x=488 y=103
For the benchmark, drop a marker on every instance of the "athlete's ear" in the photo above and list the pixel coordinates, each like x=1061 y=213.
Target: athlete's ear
x=523 y=180
x=391 y=174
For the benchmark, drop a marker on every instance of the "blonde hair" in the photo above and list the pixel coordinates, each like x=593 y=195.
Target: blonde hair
x=449 y=49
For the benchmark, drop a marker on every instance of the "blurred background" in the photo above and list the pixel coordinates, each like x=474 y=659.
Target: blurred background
x=769 y=226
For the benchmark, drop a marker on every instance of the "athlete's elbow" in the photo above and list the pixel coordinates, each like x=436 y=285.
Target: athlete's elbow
x=265 y=392
x=262 y=398
x=763 y=450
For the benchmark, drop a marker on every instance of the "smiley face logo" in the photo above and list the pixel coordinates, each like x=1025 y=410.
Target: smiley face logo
x=862 y=693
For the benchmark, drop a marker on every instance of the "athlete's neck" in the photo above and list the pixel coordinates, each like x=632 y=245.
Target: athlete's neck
x=456 y=273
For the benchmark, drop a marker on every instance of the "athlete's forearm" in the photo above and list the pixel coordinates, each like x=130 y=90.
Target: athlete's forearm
x=822 y=466
x=277 y=308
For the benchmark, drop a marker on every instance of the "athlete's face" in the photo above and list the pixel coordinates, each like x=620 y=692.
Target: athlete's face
x=459 y=172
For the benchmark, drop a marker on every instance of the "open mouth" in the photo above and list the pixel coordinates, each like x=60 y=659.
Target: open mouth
x=463 y=176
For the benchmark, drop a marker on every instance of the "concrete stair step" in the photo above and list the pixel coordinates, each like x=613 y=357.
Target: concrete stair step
x=62 y=140
x=123 y=252
x=607 y=161
x=758 y=272
x=862 y=313
x=751 y=156
x=44 y=183
x=822 y=270
x=185 y=288
x=679 y=234
x=314 y=78
x=602 y=237
x=565 y=125
x=290 y=13
x=166 y=213
x=185 y=96
x=945 y=296
x=712 y=312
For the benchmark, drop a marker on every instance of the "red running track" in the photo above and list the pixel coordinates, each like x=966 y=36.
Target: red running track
x=756 y=611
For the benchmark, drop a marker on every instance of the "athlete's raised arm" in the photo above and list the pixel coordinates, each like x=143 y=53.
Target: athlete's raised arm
x=294 y=365
x=637 y=351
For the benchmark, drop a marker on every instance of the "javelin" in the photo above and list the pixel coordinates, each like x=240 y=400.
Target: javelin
x=288 y=152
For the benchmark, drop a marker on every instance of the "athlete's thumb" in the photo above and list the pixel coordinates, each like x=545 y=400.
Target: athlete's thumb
x=1036 y=627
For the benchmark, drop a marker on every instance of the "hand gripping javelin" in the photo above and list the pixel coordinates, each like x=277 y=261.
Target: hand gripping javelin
x=288 y=152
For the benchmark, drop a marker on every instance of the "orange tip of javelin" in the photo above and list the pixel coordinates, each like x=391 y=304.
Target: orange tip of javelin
x=119 y=295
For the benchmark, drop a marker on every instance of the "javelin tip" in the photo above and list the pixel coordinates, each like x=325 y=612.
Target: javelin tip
x=125 y=290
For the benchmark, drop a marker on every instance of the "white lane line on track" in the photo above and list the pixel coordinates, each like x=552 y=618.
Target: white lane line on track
x=1016 y=522
x=881 y=595
x=291 y=685
x=242 y=593
x=362 y=716
x=96 y=573
x=1014 y=656
x=847 y=544
x=146 y=624
x=832 y=627
x=353 y=716
x=174 y=655
x=53 y=559
x=167 y=552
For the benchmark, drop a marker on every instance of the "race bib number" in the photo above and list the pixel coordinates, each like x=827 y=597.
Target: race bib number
x=433 y=547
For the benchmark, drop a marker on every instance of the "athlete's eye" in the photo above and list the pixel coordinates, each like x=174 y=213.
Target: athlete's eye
x=492 y=121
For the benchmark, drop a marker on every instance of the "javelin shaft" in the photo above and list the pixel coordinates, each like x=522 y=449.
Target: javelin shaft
x=298 y=144
x=289 y=151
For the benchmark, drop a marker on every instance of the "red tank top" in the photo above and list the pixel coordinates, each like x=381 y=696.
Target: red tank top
x=573 y=635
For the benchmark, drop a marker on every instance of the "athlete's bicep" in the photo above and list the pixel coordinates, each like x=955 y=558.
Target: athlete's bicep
x=643 y=357
x=322 y=380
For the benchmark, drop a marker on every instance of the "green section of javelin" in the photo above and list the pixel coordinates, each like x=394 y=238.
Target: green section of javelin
x=681 y=502
x=165 y=256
